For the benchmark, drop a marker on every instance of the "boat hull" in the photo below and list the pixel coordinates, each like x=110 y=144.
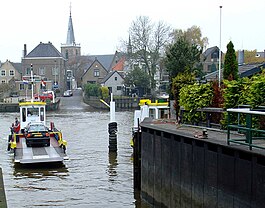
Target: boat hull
x=38 y=154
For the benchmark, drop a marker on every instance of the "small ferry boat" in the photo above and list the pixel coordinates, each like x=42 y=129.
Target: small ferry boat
x=31 y=140
x=159 y=109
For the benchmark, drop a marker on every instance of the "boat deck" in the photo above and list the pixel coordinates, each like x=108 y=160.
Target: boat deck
x=45 y=154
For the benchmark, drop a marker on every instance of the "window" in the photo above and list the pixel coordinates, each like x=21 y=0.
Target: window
x=3 y=73
x=11 y=73
x=66 y=54
x=152 y=113
x=3 y=81
x=118 y=87
x=55 y=71
x=41 y=71
x=21 y=87
x=116 y=78
x=29 y=86
x=28 y=71
x=96 y=73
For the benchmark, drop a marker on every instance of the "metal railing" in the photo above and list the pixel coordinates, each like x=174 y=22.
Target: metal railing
x=248 y=127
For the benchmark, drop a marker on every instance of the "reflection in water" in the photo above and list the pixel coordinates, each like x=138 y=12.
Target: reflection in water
x=40 y=170
x=113 y=163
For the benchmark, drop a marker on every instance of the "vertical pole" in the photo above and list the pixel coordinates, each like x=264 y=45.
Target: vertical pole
x=112 y=109
x=112 y=127
x=220 y=51
x=55 y=71
x=31 y=75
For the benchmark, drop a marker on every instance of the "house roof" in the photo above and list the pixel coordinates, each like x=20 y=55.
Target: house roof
x=44 y=50
x=17 y=66
x=209 y=51
x=105 y=60
x=120 y=65
x=109 y=75
x=244 y=70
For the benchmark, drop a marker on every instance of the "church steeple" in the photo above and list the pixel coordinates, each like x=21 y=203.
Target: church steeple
x=70 y=49
x=70 y=33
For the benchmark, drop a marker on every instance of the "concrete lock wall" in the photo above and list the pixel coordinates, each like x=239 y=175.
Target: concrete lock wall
x=178 y=171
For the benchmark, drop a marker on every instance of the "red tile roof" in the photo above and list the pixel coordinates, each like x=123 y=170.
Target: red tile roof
x=120 y=65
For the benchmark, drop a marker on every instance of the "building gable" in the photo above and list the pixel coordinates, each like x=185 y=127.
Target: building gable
x=95 y=73
x=114 y=81
x=9 y=71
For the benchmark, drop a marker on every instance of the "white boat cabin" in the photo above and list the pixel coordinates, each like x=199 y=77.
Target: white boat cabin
x=155 y=110
x=32 y=112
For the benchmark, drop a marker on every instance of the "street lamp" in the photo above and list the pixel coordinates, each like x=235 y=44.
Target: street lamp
x=220 y=51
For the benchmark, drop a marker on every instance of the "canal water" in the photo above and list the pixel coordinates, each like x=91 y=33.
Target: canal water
x=92 y=177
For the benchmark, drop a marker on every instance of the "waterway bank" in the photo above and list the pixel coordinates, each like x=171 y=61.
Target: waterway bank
x=179 y=169
x=14 y=107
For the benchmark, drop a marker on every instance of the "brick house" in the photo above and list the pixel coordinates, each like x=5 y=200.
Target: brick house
x=95 y=73
x=48 y=65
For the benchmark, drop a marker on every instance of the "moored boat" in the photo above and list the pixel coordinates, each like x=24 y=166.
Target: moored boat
x=159 y=109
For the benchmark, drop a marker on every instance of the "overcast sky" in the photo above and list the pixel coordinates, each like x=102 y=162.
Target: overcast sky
x=100 y=25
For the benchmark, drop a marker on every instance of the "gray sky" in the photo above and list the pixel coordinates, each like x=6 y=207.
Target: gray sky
x=99 y=25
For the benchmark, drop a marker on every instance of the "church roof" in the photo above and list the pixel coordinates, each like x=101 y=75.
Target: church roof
x=70 y=32
x=44 y=50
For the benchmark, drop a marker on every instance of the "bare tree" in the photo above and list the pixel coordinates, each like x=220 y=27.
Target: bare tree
x=193 y=35
x=147 y=41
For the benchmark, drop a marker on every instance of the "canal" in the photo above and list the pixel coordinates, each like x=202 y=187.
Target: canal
x=92 y=177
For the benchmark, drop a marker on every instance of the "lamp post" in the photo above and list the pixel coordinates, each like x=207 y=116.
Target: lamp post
x=55 y=71
x=220 y=51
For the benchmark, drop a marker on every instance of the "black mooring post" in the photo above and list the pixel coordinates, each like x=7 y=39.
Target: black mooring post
x=137 y=158
x=113 y=137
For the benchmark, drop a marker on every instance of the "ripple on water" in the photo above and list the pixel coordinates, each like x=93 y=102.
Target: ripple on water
x=91 y=178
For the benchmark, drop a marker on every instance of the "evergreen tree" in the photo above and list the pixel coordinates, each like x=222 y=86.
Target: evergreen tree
x=182 y=57
x=230 y=66
x=137 y=78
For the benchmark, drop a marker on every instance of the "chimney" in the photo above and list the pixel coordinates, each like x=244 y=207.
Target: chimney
x=241 y=57
x=25 y=51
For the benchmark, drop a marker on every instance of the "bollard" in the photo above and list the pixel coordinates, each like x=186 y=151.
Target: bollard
x=112 y=136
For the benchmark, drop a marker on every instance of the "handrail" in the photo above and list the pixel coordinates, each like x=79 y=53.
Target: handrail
x=248 y=137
